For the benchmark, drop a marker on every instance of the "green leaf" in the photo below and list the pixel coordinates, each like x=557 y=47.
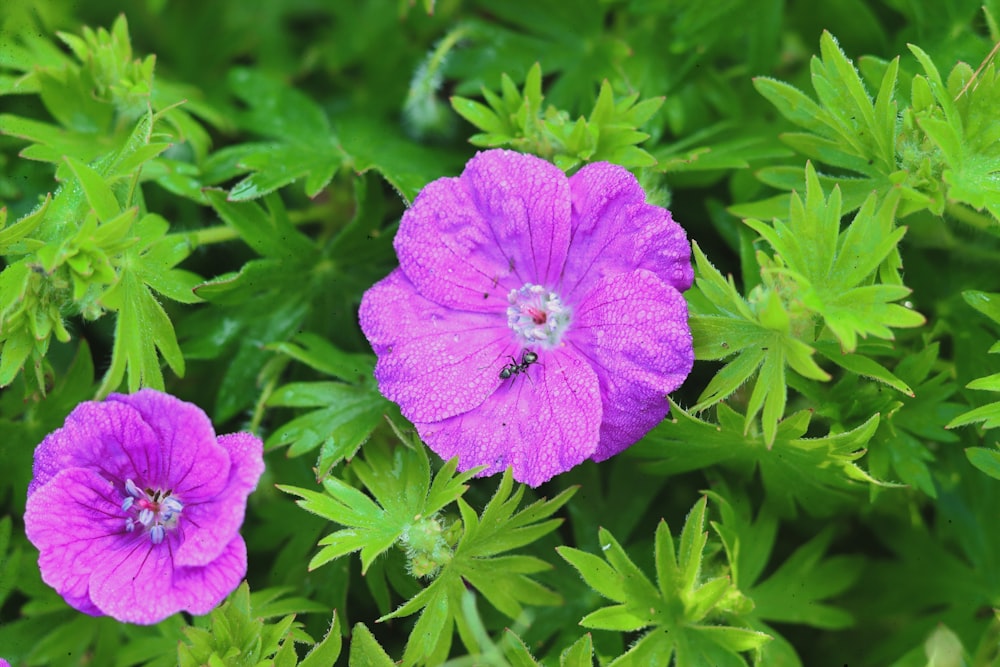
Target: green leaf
x=477 y=561
x=516 y=652
x=95 y=189
x=987 y=460
x=944 y=649
x=580 y=654
x=268 y=233
x=673 y=608
x=142 y=327
x=304 y=146
x=11 y=237
x=831 y=271
x=792 y=103
x=985 y=302
x=365 y=649
x=616 y=618
x=328 y=650
x=595 y=572
x=692 y=544
x=317 y=353
x=863 y=366
x=479 y=115
x=345 y=421
x=817 y=473
x=372 y=526
x=814 y=579
x=408 y=167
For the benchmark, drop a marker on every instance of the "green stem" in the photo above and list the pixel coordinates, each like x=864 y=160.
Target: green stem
x=223 y=233
x=443 y=47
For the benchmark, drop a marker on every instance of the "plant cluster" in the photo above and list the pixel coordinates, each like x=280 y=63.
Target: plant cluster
x=194 y=200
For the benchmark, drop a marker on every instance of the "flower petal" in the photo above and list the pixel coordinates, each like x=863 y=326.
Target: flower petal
x=143 y=585
x=433 y=361
x=203 y=588
x=633 y=328
x=75 y=520
x=615 y=231
x=110 y=437
x=467 y=241
x=135 y=584
x=541 y=425
x=186 y=457
x=214 y=523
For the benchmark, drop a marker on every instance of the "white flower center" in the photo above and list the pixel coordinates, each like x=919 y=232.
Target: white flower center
x=155 y=511
x=537 y=315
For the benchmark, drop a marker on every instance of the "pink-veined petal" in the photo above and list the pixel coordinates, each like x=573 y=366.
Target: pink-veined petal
x=435 y=362
x=110 y=437
x=75 y=521
x=211 y=525
x=203 y=588
x=541 y=423
x=467 y=241
x=615 y=231
x=186 y=457
x=143 y=584
x=633 y=330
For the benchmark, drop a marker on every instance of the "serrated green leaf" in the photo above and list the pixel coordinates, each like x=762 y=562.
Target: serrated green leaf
x=317 y=352
x=815 y=473
x=864 y=366
x=432 y=629
x=616 y=618
x=580 y=654
x=692 y=543
x=479 y=115
x=304 y=146
x=985 y=302
x=407 y=166
x=142 y=327
x=792 y=103
x=987 y=460
x=95 y=189
x=815 y=578
x=365 y=649
x=736 y=640
x=516 y=652
x=732 y=376
x=11 y=235
x=595 y=572
x=268 y=233
x=326 y=651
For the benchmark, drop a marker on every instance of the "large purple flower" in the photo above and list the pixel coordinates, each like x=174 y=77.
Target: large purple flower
x=136 y=507
x=535 y=320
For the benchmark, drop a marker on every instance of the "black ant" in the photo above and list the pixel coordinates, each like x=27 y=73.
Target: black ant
x=513 y=369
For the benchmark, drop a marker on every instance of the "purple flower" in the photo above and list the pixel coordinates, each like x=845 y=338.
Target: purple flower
x=136 y=506
x=535 y=320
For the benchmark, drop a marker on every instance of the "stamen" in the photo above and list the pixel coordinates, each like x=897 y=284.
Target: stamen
x=537 y=315
x=155 y=510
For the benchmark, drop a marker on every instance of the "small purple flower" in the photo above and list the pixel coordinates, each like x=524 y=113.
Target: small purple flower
x=136 y=506
x=535 y=320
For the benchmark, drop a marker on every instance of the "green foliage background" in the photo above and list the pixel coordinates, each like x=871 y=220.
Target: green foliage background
x=196 y=195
